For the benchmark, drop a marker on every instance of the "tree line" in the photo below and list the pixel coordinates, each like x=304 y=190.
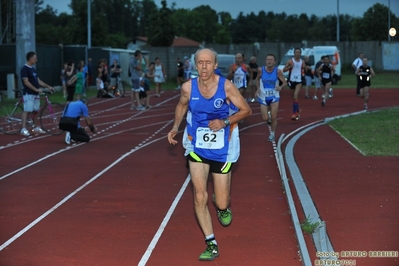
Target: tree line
x=114 y=23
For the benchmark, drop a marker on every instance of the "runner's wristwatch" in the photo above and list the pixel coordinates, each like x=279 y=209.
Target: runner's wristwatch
x=226 y=122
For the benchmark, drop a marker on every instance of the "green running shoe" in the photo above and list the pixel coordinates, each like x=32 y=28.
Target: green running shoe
x=225 y=216
x=210 y=253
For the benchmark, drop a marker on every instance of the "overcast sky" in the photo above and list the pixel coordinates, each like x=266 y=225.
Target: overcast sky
x=234 y=7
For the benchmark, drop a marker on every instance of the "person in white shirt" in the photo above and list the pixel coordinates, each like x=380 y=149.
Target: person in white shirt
x=355 y=65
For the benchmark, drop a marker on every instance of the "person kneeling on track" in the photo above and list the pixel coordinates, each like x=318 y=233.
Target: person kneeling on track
x=77 y=109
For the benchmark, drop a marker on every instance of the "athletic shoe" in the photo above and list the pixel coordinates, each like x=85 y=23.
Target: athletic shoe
x=315 y=97
x=330 y=93
x=24 y=132
x=211 y=252
x=140 y=108
x=323 y=103
x=307 y=97
x=323 y=96
x=67 y=137
x=225 y=216
x=38 y=130
x=298 y=114
x=271 y=138
x=269 y=121
x=365 y=107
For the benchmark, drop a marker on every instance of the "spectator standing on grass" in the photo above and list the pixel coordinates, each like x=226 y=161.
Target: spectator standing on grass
x=70 y=79
x=308 y=77
x=211 y=140
x=135 y=71
x=180 y=73
x=89 y=73
x=100 y=85
x=77 y=109
x=63 y=80
x=32 y=87
x=105 y=75
x=355 y=65
x=160 y=76
x=365 y=73
x=80 y=80
x=145 y=83
x=116 y=71
x=188 y=66
x=85 y=76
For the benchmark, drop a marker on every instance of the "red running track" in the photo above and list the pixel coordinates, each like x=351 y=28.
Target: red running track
x=114 y=192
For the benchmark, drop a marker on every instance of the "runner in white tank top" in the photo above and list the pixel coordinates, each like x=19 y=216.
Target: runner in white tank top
x=296 y=67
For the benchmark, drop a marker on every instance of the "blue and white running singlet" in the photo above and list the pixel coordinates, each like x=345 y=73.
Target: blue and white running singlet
x=220 y=146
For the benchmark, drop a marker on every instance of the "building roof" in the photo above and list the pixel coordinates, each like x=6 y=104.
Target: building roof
x=177 y=42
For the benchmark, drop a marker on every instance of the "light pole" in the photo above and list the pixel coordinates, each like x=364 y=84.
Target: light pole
x=337 y=20
x=389 y=20
x=89 y=24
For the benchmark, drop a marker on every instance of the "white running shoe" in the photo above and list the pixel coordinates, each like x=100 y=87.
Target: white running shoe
x=25 y=132
x=315 y=97
x=67 y=137
x=330 y=93
x=38 y=130
x=271 y=138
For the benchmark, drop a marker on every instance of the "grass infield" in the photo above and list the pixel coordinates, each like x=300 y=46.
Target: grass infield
x=374 y=133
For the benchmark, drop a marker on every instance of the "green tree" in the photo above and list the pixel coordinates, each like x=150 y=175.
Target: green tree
x=160 y=31
x=374 y=24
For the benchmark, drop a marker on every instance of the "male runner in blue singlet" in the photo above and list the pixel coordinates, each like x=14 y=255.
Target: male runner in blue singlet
x=268 y=91
x=211 y=140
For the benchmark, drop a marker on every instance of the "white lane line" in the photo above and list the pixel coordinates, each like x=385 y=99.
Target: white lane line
x=77 y=145
x=44 y=215
x=303 y=250
x=165 y=221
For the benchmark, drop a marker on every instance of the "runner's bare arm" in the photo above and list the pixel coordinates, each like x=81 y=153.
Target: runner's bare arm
x=180 y=111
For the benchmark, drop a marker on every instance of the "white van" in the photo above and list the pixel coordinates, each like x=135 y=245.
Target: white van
x=224 y=63
x=315 y=54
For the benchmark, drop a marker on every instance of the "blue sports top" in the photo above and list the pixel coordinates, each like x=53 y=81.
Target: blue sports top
x=208 y=144
x=269 y=79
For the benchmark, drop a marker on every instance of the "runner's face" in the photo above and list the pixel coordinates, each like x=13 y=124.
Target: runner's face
x=297 y=54
x=239 y=59
x=206 y=64
x=270 y=61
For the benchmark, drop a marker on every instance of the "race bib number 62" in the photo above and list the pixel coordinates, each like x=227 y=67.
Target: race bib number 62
x=207 y=139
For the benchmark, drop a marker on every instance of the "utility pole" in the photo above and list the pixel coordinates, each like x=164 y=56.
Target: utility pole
x=389 y=20
x=338 y=21
x=89 y=24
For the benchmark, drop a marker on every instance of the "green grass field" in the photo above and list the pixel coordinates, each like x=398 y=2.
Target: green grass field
x=374 y=133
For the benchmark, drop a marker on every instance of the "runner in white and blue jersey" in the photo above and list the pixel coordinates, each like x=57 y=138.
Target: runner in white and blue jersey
x=211 y=140
x=269 y=84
